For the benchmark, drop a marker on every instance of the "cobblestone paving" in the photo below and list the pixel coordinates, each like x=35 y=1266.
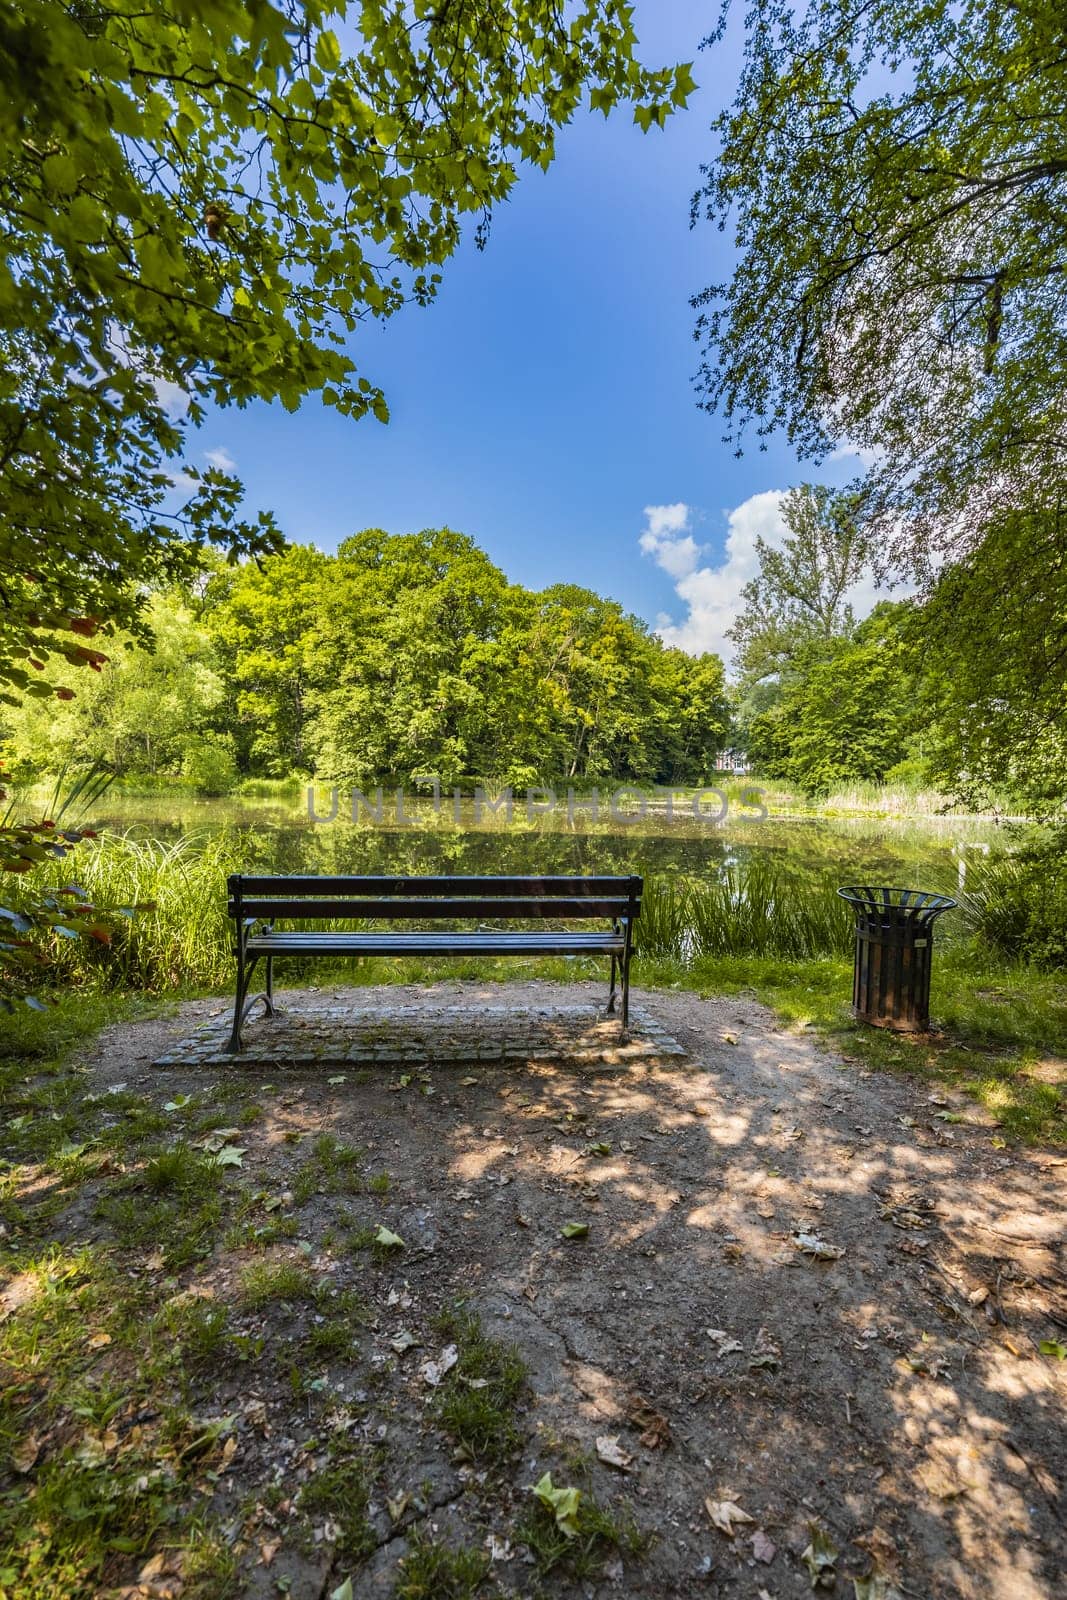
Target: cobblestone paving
x=312 y=1035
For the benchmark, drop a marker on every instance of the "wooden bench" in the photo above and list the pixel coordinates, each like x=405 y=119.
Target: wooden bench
x=257 y=904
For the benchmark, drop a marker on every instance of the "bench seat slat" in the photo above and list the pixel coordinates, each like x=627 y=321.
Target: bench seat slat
x=428 y=944
x=265 y=906
x=301 y=886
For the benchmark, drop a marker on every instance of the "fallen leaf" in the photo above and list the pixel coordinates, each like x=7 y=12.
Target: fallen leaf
x=726 y=1516
x=432 y=1372
x=179 y=1102
x=231 y=1155
x=725 y=1345
x=499 y=1549
x=563 y=1503
x=221 y=1136
x=878 y=1586
x=574 y=1230
x=601 y=1148
x=404 y=1341
x=24 y=1455
x=267 y=1551
x=611 y=1452
x=156 y=1261
x=99 y=1341
x=398 y=1505
x=340 y=1078
x=765 y=1353
x=820 y=1557
x=387 y=1240
x=343 y=1591
x=655 y=1430
x=466 y=1083
x=1053 y=1347
x=763 y=1549
x=811 y=1245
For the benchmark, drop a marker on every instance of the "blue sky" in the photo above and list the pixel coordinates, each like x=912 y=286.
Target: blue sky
x=545 y=400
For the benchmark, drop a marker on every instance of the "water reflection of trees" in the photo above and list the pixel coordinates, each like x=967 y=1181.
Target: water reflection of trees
x=282 y=839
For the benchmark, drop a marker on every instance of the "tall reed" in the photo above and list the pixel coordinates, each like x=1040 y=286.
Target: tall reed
x=749 y=910
x=183 y=937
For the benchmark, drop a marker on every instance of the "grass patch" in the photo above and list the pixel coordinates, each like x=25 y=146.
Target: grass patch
x=268 y=1281
x=432 y=1571
x=331 y=1168
x=602 y=1533
x=341 y=1491
x=328 y=1341
x=476 y=1403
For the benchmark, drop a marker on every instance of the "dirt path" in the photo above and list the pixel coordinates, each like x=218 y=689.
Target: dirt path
x=813 y=1292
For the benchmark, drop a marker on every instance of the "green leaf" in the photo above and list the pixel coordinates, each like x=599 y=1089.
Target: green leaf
x=563 y=1503
x=1053 y=1347
x=328 y=51
x=387 y=1240
x=60 y=173
x=574 y=1230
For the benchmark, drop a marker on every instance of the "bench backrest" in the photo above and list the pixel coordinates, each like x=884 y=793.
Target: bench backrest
x=408 y=898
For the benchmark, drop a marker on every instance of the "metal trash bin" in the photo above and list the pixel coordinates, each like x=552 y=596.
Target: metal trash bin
x=894 y=939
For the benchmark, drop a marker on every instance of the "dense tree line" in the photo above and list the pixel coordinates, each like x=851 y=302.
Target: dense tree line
x=398 y=656
x=962 y=687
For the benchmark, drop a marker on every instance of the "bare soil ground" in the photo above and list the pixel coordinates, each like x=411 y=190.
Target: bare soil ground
x=809 y=1292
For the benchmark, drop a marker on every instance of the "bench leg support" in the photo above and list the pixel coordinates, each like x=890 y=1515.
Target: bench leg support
x=235 y=1044
x=611 y=993
x=626 y=991
x=242 y=1005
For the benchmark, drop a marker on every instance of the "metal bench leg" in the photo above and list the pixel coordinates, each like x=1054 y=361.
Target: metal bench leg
x=268 y=996
x=242 y=1005
x=235 y=1045
x=611 y=995
x=626 y=991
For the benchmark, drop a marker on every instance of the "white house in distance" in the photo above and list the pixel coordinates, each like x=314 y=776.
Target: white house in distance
x=735 y=761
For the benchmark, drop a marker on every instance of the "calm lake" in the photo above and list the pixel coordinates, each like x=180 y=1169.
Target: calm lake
x=924 y=852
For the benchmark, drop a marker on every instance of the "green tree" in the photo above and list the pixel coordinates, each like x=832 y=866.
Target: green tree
x=408 y=651
x=159 y=712
x=895 y=177
x=994 y=636
x=264 y=621
x=199 y=204
x=409 y=655
x=848 y=710
x=801 y=591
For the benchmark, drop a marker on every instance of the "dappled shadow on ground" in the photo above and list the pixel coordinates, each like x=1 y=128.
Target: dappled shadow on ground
x=813 y=1292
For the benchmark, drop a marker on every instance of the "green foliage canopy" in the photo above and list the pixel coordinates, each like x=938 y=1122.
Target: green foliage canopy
x=412 y=654
x=200 y=201
x=895 y=175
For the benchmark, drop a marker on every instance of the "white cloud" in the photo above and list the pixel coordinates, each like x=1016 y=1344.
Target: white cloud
x=668 y=540
x=172 y=397
x=220 y=458
x=866 y=455
x=712 y=594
